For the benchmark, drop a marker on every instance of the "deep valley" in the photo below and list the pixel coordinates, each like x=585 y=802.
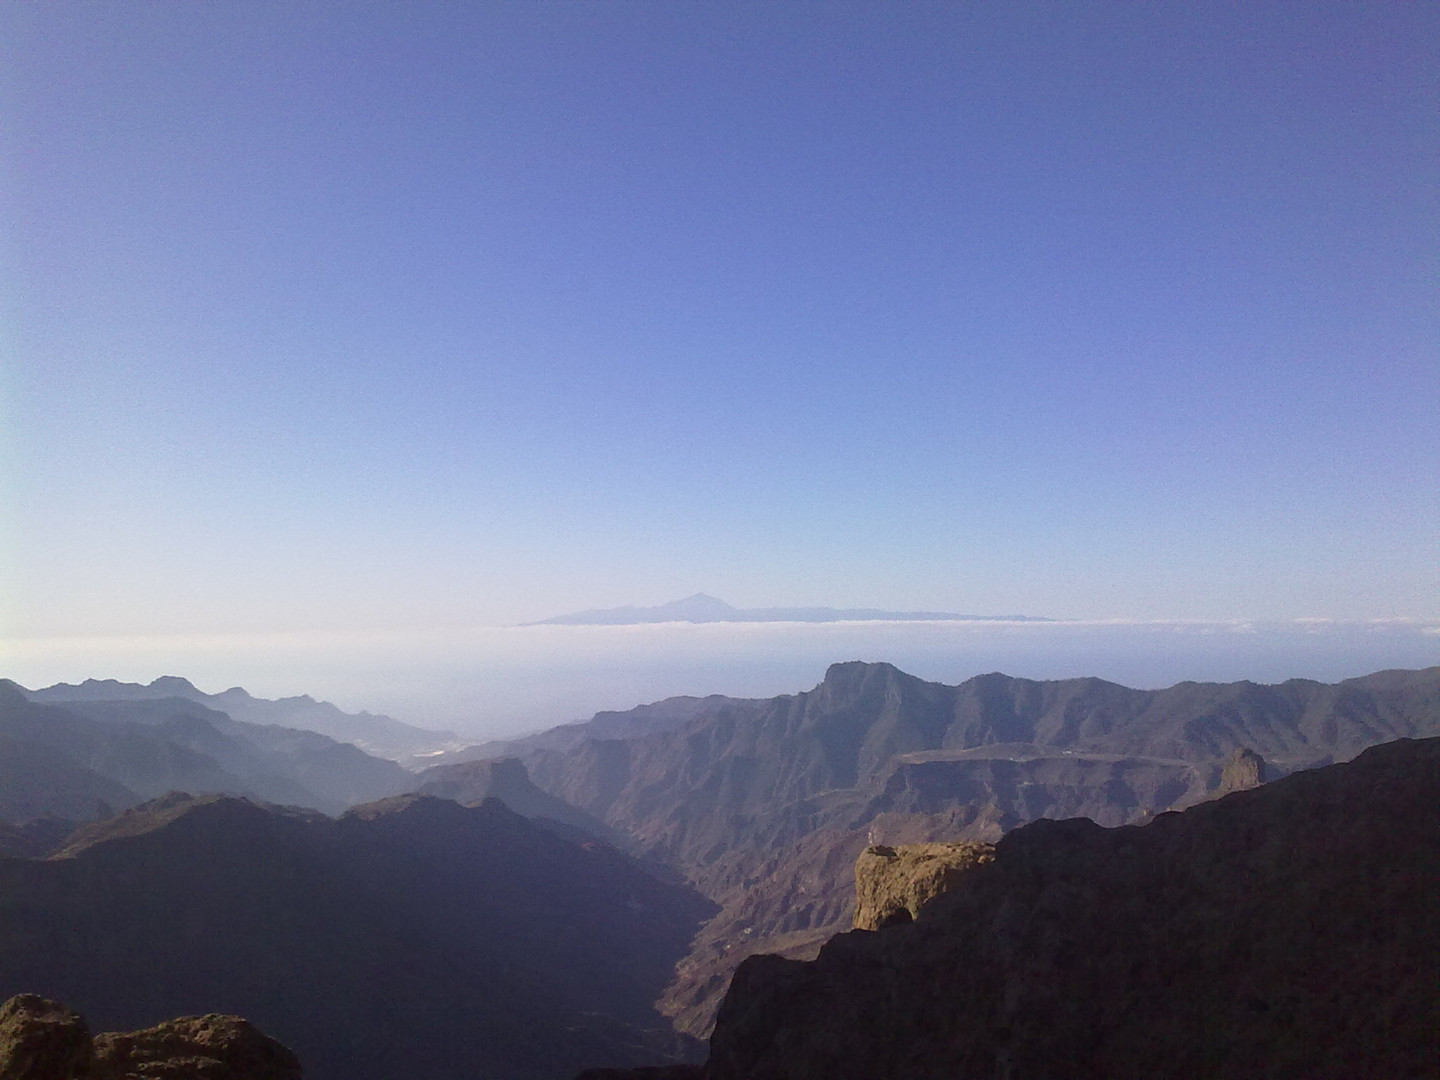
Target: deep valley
x=583 y=896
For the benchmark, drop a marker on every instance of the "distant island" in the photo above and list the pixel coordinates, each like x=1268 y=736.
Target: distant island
x=701 y=608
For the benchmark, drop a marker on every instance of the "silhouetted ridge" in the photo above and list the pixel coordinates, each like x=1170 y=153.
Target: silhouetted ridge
x=507 y=780
x=412 y=937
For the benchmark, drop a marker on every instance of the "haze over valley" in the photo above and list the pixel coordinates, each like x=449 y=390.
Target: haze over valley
x=595 y=540
x=491 y=682
x=587 y=891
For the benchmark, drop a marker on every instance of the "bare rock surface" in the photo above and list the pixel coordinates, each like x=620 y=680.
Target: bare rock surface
x=893 y=884
x=42 y=1040
x=1291 y=930
x=211 y=1047
x=764 y=806
x=1245 y=769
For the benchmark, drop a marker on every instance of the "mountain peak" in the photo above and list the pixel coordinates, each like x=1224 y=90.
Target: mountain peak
x=174 y=684
x=700 y=604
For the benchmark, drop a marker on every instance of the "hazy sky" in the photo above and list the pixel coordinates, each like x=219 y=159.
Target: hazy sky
x=382 y=316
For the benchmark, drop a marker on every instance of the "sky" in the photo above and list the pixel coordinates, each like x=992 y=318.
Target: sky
x=411 y=320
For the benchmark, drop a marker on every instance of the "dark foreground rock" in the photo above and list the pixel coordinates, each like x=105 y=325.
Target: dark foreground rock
x=41 y=1040
x=654 y=1072
x=1292 y=930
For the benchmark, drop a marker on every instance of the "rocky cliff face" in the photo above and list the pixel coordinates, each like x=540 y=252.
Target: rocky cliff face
x=893 y=884
x=765 y=806
x=42 y=1040
x=1244 y=770
x=1292 y=930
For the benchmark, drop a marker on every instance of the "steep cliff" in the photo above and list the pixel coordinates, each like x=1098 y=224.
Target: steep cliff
x=765 y=805
x=1292 y=930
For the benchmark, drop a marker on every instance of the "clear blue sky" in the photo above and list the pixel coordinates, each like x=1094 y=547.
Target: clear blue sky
x=381 y=315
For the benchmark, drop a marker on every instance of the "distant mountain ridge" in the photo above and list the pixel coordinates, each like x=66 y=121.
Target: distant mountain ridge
x=702 y=608
x=90 y=757
x=375 y=733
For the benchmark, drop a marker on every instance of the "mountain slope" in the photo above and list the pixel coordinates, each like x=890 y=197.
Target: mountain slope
x=383 y=736
x=507 y=780
x=280 y=764
x=1292 y=930
x=150 y=745
x=764 y=805
x=412 y=937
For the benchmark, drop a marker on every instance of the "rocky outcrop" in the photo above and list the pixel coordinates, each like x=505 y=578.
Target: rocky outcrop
x=893 y=884
x=1243 y=770
x=209 y=1047
x=41 y=1040
x=1291 y=930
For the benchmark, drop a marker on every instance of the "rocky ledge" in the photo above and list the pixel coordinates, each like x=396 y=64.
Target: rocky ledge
x=892 y=884
x=42 y=1040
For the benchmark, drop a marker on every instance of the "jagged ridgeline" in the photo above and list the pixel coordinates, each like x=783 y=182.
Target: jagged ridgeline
x=1287 y=931
x=76 y=752
x=581 y=897
x=765 y=804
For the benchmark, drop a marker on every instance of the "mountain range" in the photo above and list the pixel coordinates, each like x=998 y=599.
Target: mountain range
x=575 y=897
x=375 y=733
x=701 y=608
x=763 y=805
x=93 y=754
